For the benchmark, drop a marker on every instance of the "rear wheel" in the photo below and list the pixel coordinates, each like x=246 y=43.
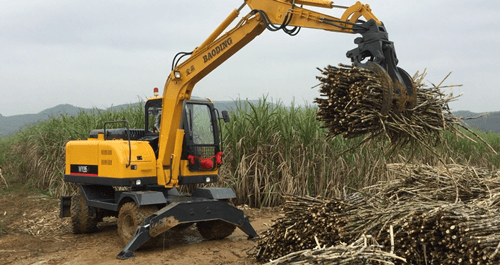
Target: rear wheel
x=84 y=218
x=215 y=229
x=130 y=217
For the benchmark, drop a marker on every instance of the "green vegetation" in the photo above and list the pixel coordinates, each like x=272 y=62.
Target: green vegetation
x=35 y=155
x=270 y=149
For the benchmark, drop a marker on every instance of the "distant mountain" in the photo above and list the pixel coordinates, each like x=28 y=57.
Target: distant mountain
x=488 y=123
x=11 y=124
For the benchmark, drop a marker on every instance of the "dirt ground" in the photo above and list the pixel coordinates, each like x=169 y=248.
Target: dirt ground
x=31 y=232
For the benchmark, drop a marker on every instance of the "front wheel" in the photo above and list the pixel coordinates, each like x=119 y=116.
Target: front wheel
x=130 y=217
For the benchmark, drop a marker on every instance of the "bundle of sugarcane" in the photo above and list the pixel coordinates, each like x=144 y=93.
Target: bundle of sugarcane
x=356 y=101
x=353 y=98
x=365 y=250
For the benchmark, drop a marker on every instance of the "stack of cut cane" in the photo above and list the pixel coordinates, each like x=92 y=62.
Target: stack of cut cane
x=427 y=215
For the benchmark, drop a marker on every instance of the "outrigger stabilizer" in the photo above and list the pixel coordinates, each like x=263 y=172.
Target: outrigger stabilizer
x=185 y=212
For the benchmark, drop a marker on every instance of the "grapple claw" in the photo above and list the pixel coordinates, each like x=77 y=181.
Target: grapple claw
x=377 y=53
x=411 y=93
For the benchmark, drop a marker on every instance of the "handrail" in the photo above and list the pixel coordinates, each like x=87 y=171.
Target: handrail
x=128 y=136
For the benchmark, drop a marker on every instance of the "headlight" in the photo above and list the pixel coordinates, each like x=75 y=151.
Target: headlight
x=177 y=74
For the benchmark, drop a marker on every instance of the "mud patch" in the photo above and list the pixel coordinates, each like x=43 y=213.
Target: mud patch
x=163 y=225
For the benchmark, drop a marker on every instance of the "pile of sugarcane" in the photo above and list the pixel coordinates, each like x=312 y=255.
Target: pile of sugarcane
x=354 y=102
x=365 y=250
x=426 y=216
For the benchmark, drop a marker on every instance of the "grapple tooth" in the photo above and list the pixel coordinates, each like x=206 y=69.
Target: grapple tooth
x=379 y=53
x=411 y=93
x=399 y=93
x=400 y=97
x=387 y=84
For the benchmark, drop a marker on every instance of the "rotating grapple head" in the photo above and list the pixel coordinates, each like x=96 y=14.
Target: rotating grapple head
x=377 y=53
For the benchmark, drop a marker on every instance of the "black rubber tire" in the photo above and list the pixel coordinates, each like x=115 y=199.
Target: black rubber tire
x=130 y=217
x=83 y=218
x=215 y=229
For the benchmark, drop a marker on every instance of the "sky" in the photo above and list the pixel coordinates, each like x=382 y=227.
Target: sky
x=104 y=53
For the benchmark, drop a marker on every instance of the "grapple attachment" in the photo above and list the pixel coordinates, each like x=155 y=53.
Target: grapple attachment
x=377 y=53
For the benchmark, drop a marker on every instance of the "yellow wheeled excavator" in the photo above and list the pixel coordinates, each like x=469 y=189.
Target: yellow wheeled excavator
x=134 y=174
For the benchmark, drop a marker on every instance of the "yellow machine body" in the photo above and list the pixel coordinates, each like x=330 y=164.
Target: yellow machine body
x=115 y=160
x=106 y=159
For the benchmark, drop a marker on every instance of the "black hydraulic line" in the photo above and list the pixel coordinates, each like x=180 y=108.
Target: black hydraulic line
x=332 y=23
x=295 y=30
x=335 y=25
x=270 y=26
x=128 y=137
x=176 y=60
x=221 y=142
x=171 y=169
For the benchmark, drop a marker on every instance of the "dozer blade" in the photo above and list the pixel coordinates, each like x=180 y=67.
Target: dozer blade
x=377 y=53
x=186 y=212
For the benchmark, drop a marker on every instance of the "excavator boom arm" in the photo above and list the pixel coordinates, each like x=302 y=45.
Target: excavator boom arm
x=218 y=47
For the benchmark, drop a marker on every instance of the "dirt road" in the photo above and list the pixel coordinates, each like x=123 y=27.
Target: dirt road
x=32 y=233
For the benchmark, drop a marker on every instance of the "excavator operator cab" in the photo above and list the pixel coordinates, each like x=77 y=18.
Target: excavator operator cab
x=202 y=139
x=201 y=135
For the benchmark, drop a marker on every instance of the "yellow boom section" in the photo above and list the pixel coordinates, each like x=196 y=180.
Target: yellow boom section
x=218 y=47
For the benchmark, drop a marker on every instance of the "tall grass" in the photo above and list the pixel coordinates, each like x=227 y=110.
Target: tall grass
x=270 y=149
x=476 y=153
x=35 y=155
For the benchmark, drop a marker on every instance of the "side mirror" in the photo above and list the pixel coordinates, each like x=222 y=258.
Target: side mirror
x=225 y=116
